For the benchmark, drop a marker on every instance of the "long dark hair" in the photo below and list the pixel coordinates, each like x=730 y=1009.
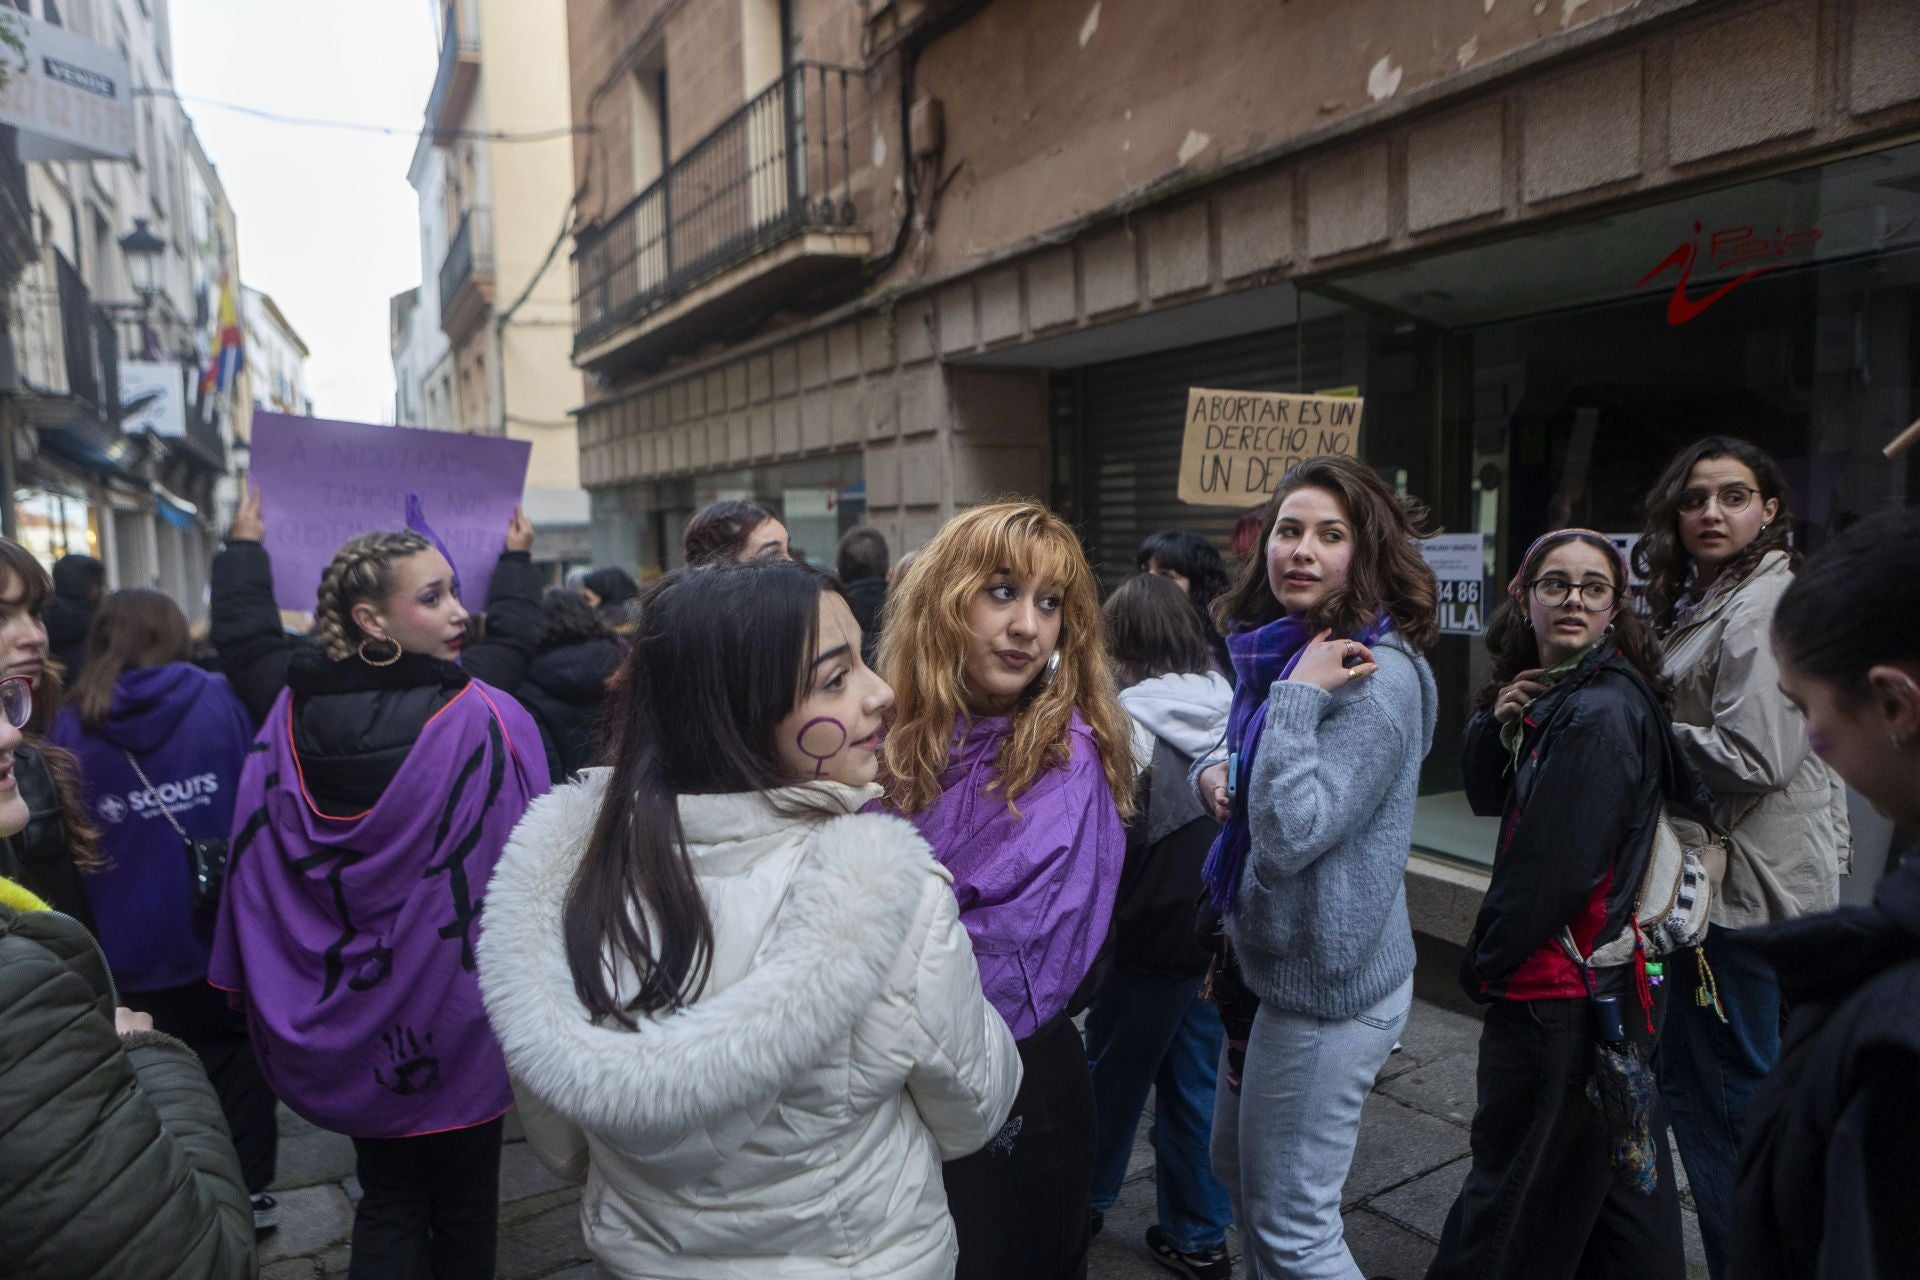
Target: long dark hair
x=1387 y=571
x=1152 y=630
x=566 y=618
x=1853 y=607
x=1198 y=561
x=83 y=838
x=1510 y=637
x=720 y=532
x=136 y=627
x=717 y=661
x=1660 y=557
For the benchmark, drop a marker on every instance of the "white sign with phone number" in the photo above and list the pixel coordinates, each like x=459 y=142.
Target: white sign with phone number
x=1459 y=561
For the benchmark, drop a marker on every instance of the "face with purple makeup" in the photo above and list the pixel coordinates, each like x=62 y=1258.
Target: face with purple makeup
x=833 y=732
x=1861 y=736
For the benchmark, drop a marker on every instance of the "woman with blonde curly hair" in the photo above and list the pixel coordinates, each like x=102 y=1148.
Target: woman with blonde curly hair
x=371 y=810
x=1012 y=754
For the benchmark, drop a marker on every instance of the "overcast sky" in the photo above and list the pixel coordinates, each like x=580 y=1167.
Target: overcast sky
x=327 y=221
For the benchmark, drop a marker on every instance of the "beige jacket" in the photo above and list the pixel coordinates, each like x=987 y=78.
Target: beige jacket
x=1791 y=841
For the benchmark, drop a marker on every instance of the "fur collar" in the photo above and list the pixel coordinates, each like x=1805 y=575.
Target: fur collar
x=836 y=936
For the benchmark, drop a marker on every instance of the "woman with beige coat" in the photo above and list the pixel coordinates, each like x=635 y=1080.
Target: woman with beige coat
x=1718 y=555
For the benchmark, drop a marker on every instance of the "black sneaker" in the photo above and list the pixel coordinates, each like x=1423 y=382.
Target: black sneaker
x=1207 y=1264
x=266 y=1212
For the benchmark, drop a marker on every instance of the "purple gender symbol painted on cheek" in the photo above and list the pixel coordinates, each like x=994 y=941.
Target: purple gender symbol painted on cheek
x=828 y=726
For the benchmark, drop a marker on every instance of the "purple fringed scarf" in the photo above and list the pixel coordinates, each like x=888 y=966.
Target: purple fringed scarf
x=1260 y=657
x=352 y=938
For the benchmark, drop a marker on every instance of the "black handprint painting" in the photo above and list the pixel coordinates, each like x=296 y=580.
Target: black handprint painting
x=411 y=1061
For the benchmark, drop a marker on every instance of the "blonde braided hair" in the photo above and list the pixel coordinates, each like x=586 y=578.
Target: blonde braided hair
x=362 y=569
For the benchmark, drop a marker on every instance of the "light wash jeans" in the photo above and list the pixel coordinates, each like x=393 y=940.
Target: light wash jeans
x=1283 y=1146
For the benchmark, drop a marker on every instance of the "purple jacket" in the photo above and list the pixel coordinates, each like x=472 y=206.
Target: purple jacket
x=1036 y=891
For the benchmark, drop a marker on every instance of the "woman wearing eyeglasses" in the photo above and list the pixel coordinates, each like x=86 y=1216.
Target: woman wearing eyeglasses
x=117 y=1162
x=1718 y=555
x=1570 y=747
x=57 y=846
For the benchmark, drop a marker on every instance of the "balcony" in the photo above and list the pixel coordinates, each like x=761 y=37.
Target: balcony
x=466 y=276
x=459 y=69
x=66 y=353
x=758 y=211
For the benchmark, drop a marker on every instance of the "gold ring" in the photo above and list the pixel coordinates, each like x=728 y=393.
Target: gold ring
x=1352 y=672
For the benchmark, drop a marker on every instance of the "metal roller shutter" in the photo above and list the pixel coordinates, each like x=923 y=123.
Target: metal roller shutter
x=1126 y=432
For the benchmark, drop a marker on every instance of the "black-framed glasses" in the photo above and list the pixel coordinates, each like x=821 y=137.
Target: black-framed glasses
x=1731 y=497
x=1595 y=597
x=16 y=700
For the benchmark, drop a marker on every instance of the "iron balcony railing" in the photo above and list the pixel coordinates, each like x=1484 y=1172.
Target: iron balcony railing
x=780 y=164
x=92 y=347
x=469 y=254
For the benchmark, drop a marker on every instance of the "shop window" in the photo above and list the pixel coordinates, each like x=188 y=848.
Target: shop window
x=1546 y=380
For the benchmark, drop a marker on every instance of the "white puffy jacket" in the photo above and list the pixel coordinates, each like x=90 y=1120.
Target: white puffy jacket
x=791 y=1122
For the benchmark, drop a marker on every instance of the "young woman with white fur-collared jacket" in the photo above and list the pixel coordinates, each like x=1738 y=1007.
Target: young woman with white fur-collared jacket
x=745 y=1012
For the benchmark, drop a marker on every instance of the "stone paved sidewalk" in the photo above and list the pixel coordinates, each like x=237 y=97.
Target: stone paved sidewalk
x=1411 y=1159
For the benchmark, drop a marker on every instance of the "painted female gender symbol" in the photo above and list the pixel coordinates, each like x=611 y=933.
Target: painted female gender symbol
x=820 y=758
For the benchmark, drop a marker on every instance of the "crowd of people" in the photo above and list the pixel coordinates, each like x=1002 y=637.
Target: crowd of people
x=845 y=923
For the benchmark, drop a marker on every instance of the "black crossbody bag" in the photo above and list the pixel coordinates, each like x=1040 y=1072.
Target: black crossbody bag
x=206 y=859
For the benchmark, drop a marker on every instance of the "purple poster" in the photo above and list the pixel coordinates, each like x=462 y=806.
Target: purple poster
x=322 y=482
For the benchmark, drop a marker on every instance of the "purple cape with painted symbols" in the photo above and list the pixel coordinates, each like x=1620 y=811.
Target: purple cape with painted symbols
x=351 y=940
x=323 y=482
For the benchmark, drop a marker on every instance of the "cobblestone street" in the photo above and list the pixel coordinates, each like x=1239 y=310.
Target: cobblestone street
x=1411 y=1159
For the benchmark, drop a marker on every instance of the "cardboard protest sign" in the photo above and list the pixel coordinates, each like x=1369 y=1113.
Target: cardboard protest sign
x=1459 y=561
x=322 y=482
x=1239 y=444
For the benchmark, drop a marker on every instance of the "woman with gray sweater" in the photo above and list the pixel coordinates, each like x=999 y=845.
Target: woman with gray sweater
x=1333 y=713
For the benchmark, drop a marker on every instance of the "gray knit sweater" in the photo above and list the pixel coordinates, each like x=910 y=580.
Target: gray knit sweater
x=1322 y=924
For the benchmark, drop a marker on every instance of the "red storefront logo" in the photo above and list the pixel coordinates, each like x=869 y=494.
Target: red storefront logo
x=1727 y=247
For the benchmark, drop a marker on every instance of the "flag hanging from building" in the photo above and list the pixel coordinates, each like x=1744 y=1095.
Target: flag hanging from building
x=228 y=354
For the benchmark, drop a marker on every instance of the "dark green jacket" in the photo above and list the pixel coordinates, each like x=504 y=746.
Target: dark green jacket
x=117 y=1164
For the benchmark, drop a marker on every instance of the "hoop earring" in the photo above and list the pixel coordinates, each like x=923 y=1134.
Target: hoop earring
x=380 y=662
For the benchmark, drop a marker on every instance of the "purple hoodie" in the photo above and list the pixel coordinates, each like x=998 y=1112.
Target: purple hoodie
x=190 y=733
x=1036 y=891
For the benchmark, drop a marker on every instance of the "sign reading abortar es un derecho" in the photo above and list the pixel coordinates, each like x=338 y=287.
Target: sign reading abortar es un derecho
x=1238 y=444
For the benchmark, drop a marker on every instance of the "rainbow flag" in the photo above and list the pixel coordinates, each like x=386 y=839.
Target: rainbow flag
x=229 y=355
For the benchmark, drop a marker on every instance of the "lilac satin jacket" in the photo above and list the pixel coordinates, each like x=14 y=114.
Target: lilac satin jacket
x=1036 y=891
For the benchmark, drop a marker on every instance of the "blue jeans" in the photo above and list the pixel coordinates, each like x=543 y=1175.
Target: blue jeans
x=1143 y=1032
x=1284 y=1144
x=1710 y=1070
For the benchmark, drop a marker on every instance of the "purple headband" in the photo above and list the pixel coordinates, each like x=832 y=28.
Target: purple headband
x=417 y=521
x=1517 y=589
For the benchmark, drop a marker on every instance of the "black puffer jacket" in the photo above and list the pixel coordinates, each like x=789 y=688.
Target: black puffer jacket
x=567 y=692
x=117 y=1162
x=40 y=855
x=1154 y=913
x=1596 y=760
x=255 y=651
x=1831 y=1161
x=355 y=723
